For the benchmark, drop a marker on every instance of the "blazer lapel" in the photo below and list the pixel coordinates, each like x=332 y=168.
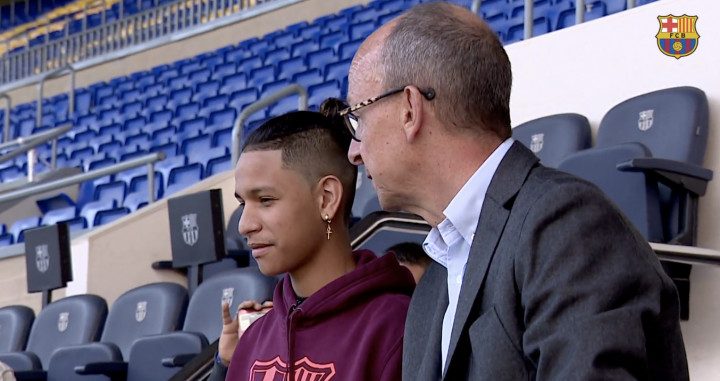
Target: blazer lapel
x=506 y=183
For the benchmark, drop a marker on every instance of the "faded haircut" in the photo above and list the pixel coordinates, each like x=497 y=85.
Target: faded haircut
x=312 y=144
x=446 y=47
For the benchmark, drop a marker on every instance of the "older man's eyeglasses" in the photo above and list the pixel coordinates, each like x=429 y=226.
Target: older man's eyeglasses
x=351 y=121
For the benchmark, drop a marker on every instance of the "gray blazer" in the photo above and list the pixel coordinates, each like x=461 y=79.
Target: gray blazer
x=558 y=286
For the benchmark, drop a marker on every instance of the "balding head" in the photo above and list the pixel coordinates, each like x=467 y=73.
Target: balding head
x=445 y=47
x=365 y=66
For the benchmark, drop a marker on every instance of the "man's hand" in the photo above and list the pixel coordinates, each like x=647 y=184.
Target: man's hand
x=231 y=332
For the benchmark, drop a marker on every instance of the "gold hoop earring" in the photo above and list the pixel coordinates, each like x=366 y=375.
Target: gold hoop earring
x=328 y=231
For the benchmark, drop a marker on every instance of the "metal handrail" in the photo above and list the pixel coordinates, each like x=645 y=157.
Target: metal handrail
x=8 y=109
x=475 y=6
x=529 y=21
x=579 y=12
x=29 y=142
x=94 y=174
x=260 y=104
x=54 y=74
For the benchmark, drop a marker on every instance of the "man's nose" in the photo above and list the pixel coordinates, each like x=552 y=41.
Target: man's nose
x=354 y=153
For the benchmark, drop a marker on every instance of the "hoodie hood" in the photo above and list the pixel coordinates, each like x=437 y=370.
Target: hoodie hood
x=371 y=276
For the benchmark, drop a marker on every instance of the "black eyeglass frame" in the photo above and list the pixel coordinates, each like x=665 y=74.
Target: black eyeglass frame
x=349 y=117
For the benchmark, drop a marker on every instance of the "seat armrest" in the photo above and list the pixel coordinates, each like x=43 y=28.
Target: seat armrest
x=107 y=368
x=674 y=173
x=30 y=375
x=178 y=360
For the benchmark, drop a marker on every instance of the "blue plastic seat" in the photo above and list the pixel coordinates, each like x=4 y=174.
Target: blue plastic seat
x=348 y=49
x=261 y=75
x=90 y=209
x=111 y=191
x=318 y=93
x=18 y=228
x=203 y=321
x=242 y=98
x=337 y=70
x=233 y=82
x=152 y=309
x=671 y=126
x=275 y=56
x=318 y=59
x=186 y=175
x=302 y=48
x=105 y=217
x=218 y=165
x=15 y=322
x=553 y=138
x=362 y=29
x=69 y=321
x=287 y=68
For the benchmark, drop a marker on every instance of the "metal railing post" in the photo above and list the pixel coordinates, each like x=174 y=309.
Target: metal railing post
x=151 y=183
x=529 y=19
x=579 y=12
x=53 y=74
x=8 y=109
x=263 y=102
x=630 y=4
x=475 y=6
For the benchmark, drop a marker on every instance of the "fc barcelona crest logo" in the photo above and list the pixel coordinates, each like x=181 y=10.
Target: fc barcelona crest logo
x=141 y=311
x=42 y=258
x=678 y=35
x=63 y=321
x=190 y=228
x=536 y=142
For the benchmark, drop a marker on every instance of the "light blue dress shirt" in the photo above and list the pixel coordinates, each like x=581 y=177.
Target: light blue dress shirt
x=449 y=243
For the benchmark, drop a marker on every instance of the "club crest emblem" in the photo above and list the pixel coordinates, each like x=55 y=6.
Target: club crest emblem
x=305 y=369
x=645 y=121
x=678 y=36
x=536 y=142
x=42 y=258
x=190 y=230
x=227 y=295
x=140 y=311
x=63 y=321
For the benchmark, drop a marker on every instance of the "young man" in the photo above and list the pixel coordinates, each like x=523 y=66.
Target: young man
x=535 y=273
x=337 y=315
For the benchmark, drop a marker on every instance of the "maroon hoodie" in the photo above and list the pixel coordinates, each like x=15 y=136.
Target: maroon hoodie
x=351 y=329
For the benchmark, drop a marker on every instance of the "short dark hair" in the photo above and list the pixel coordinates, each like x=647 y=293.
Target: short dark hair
x=445 y=47
x=410 y=252
x=313 y=143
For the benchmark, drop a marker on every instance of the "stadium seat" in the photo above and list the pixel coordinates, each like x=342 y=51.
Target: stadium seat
x=114 y=190
x=15 y=323
x=58 y=215
x=364 y=193
x=554 y=137
x=91 y=209
x=151 y=309
x=203 y=322
x=18 y=228
x=218 y=165
x=104 y=217
x=72 y=320
x=672 y=127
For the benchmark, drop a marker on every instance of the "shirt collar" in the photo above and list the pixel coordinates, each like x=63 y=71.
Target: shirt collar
x=463 y=212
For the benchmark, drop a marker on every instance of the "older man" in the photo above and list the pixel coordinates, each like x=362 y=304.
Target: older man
x=536 y=275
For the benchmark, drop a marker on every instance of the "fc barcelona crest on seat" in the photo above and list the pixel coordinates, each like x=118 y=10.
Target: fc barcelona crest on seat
x=678 y=35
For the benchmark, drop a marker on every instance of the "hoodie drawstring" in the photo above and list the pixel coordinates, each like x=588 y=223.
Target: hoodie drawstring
x=291 y=341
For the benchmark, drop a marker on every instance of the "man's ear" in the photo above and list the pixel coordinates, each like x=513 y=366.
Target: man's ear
x=329 y=196
x=412 y=112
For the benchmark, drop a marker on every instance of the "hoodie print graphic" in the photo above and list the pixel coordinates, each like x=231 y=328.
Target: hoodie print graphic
x=305 y=369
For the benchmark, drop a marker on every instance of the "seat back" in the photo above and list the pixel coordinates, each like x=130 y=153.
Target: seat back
x=234 y=286
x=15 y=323
x=146 y=310
x=672 y=123
x=364 y=193
x=69 y=321
x=635 y=194
x=552 y=138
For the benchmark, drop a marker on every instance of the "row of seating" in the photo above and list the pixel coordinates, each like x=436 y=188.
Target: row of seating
x=647 y=157
x=147 y=334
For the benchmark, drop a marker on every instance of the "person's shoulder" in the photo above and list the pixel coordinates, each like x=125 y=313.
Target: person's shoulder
x=547 y=183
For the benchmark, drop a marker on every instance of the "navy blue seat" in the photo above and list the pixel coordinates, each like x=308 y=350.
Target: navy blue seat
x=672 y=126
x=318 y=59
x=151 y=309
x=69 y=321
x=290 y=66
x=203 y=322
x=554 y=137
x=15 y=323
x=302 y=48
x=233 y=83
